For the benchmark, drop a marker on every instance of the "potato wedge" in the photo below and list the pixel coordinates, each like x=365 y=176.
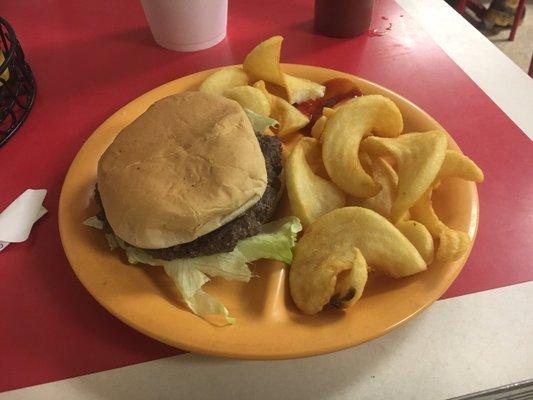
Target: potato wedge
x=251 y=98
x=452 y=246
x=458 y=165
x=300 y=90
x=223 y=79
x=318 y=127
x=263 y=62
x=310 y=196
x=289 y=117
x=328 y=112
x=262 y=87
x=320 y=123
x=313 y=155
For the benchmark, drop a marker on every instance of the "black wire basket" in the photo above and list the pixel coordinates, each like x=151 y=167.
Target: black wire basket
x=17 y=84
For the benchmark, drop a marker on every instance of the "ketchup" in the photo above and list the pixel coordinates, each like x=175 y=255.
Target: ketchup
x=337 y=90
x=311 y=109
x=343 y=18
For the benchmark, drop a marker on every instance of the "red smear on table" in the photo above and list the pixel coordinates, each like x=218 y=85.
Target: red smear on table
x=51 y=328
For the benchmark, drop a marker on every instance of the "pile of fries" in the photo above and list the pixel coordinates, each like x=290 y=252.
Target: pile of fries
x=360 y=185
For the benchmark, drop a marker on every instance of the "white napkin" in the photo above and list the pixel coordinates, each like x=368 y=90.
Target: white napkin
x=18 y=218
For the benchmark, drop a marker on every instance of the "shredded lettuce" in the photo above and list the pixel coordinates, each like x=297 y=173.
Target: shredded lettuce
x=259 y=122
x=112 y=241
x=94 y=222
x=275 y=241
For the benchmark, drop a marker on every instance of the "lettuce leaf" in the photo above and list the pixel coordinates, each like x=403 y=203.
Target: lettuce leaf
x=275 y=241
x=260 y=123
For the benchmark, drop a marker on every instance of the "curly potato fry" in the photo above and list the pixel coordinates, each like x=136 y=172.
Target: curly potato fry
x=420 y=237
x=338 y=279
x=343 y=133
x=452 y=244
x=361 y=189
x=328 y=248
x=385 y=176
x=351 y=283
x=419 y=157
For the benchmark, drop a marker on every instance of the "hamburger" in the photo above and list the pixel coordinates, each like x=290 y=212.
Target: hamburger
x=190 y=186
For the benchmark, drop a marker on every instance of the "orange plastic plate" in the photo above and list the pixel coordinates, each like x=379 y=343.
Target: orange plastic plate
x=268 y=324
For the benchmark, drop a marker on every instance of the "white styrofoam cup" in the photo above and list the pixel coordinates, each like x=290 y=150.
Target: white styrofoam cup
x=187 y=25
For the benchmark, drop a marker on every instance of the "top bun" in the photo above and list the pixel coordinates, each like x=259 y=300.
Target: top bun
x=188 y=165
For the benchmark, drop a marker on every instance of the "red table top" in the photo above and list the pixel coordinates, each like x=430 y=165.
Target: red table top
x=92 y=57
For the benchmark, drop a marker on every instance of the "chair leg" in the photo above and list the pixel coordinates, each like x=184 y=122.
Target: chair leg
x=518 y=14
x=530 y=73
x=477 y=7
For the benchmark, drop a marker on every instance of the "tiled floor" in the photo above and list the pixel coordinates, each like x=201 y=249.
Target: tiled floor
x=521 y=49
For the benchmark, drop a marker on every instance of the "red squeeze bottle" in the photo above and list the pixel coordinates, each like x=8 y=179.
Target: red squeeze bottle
x=343 y=18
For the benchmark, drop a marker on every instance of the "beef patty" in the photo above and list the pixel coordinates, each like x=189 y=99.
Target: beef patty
x=225 y=238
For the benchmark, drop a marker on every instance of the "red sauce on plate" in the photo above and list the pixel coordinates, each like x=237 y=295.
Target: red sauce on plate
x=337 y=90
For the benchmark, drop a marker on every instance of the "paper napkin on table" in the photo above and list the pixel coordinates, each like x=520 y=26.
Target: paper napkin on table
x=18 y=218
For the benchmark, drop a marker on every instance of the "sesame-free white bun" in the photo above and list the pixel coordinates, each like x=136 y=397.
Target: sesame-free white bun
x=188 y=165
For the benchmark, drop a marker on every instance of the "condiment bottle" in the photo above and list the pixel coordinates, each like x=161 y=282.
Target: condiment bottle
x=343 y=18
